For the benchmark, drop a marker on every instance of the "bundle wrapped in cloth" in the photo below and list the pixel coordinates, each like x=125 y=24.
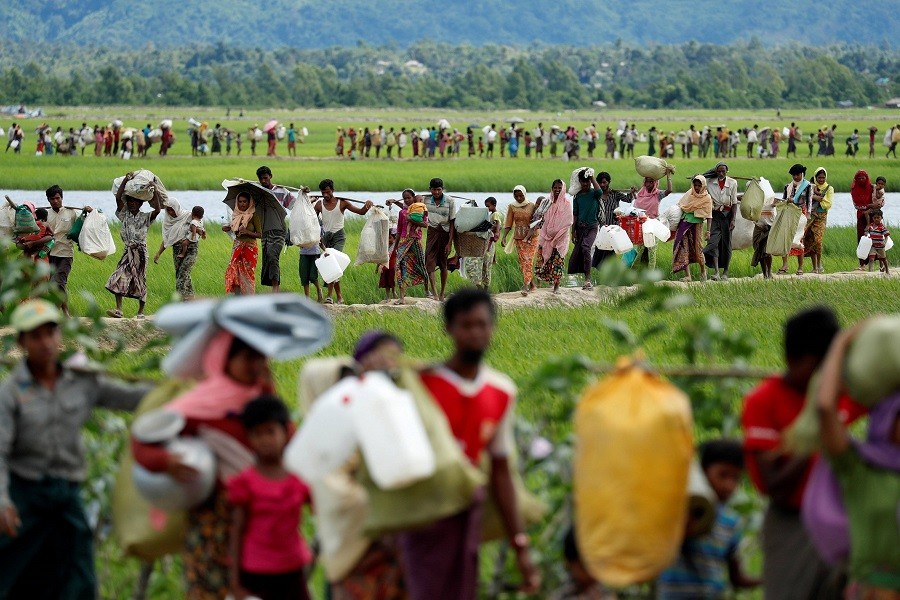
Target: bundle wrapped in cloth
x=143 y=186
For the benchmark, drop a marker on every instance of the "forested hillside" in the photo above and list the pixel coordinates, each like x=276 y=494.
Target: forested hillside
x=316 y=24
x=691 y=75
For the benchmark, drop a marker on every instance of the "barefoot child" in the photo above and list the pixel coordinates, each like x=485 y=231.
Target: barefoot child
x=36 y=246
x=195 y=231
x=268 y=554
x=387 y=272
x=879 y=234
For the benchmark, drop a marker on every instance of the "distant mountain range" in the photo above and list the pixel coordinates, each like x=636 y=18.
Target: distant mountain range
x=269 y=24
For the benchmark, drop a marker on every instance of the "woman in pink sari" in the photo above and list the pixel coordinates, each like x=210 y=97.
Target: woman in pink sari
x=553 y=240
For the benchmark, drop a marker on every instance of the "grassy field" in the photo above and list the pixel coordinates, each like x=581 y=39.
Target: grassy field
x=181 y=171
x=750 y=310
x=360 y=284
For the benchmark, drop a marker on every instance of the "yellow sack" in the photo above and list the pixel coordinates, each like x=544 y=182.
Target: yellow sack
x=141 y=530
x=633 y=455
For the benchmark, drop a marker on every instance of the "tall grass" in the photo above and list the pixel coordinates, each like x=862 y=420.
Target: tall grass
x=360 y=284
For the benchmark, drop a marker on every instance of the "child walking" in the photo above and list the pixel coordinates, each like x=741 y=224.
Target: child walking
x=387 y=273
x=709 y=563
x=879 y=235
x=268 y=555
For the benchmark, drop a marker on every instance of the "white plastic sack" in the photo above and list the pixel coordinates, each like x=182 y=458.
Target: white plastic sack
x=95 y=238
x=7 y=219
x=156 y=135
x=470 y=217
x=374 y=239
x=797 y=242
x=304 y=223
x=742 y=234
x=142 y=186
x=327 y=438
x=651 y=166
x=888 y=243
x=165 y=124
x=672 y=217
x=390 y=433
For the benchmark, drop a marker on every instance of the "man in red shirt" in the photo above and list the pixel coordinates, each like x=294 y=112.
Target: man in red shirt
x=792 y=569
x=441 y=560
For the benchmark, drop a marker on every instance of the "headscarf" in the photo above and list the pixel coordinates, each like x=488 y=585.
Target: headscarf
x=524 y=202
x=218 y=395
x=175 y=229
x=823 y=186
x=241 y=218
x=861 y=190
x=370 y=340
x=558 y=219
x=648 y=201
x=699 y=203
x=824 y=191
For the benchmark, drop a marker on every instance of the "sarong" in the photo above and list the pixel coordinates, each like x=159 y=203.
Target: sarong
x=272 y=245
x=525 y=251
x=580 y=260
x=718 y=249
x=130 y=277
x=205 y=557
x=240 y=275
x=411 y=263
x=551 y=270
x=183 y=267
x=377 y=576
x=760 y=239
x=791 y=566
x=687 y=248
x=441 y=559
x=478 y=269
x=815 y=232
x=436 y=254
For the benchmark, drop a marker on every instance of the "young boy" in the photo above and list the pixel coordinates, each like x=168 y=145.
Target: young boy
x=309 y=273
x=791 y=566
x=268 y=554
x=581 y=585
x=761 y=238
x=879 y=234
x=195 y=231
x=480 y=147
x=708 y=563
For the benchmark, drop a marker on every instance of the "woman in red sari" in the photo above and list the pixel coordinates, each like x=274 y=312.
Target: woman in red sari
x=861 y=192
x=240 y=276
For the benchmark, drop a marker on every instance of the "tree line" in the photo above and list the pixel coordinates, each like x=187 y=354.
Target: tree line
x=691 y=75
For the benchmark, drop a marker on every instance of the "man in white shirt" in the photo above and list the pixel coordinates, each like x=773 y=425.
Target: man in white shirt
x=60 y=220
x=491 y=139
x=717 y=252
x=751 y=140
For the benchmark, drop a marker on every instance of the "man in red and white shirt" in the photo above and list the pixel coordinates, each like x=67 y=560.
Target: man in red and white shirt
x=792 y=569
x=441 y=560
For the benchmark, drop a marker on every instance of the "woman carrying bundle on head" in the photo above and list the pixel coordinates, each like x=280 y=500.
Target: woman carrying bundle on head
x=696 y=205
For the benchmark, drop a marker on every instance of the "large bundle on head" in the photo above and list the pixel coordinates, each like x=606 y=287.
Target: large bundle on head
x=142 y=186
x=650 y=166
x=631 y=475
x=575 y=179
x=878 y=343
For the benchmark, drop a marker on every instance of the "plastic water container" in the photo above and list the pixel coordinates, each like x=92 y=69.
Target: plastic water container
x=888 y=243
x=391 y=434
x=342 y=259
x=621 y=243
x=328 y=268
x=864 y=247
x=655 y=231
x=603 y=240
x=326 y=439
x=164 y=492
